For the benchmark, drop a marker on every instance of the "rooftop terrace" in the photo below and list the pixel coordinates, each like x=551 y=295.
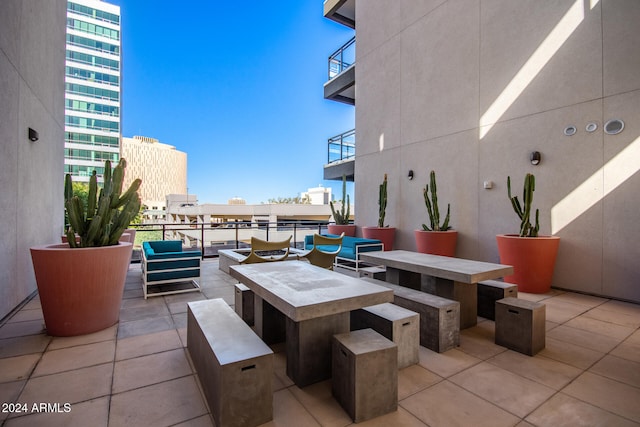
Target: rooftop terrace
x=138 y=372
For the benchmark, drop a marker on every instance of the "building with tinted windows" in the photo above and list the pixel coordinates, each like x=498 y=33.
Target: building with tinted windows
x=92 y=87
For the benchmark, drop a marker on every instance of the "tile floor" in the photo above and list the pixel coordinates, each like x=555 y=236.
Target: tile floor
x=138 y=373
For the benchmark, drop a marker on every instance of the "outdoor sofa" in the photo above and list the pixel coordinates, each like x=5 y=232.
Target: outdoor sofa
x=352 y=247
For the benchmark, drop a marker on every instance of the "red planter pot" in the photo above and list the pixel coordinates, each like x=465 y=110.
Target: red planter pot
x=80 y=289
x=385 y=234
x=533 y=260
x=337 y=229
x=436 y=242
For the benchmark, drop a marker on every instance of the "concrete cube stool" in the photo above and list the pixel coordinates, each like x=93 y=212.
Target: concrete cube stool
x=365 y=374
x=398 y=324
x=373 y=272
x=520 y=325
x=234 y=366
x=490 y=291
x=244 y=303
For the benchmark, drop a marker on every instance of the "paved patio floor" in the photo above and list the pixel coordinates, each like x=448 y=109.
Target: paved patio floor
x=138 y=372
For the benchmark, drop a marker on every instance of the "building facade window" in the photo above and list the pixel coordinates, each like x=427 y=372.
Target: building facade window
x=93 y=13
x=89 y=75
x=94 y=29
x=96 y=61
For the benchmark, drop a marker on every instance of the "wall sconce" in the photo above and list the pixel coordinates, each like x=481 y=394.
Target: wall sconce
x=410 y=175
x=33 y=135
x=535 y=158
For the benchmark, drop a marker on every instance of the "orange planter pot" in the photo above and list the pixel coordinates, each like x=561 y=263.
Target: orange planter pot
x=385 y=234
x=533 y=260
x=436 y=242
x=337 y=229
x=80 y=289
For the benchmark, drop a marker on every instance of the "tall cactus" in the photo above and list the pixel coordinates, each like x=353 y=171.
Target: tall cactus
x=341 y=217
x=382 y=201
x=432 y=208
x=107 y=215
x=524 y=212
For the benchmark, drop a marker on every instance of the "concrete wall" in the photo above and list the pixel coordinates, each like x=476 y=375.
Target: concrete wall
x=32 y=51
x=470 y=88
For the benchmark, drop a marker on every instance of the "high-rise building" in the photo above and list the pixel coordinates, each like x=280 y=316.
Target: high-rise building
x=162 y=168
x=92 y=87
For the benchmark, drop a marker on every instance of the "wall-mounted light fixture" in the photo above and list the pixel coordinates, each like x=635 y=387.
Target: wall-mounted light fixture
x=33 y=135
x=535 y=158
x=410 y=175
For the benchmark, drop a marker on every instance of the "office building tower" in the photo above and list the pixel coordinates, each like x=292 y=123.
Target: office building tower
x=92 y=87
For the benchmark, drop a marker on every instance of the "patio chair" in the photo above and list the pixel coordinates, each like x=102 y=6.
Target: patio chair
x=324 y=251
x=265 y=251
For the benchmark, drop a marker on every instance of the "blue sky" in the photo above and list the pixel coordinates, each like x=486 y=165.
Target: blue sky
x=238 y=86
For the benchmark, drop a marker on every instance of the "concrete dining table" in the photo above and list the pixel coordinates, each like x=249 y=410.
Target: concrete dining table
x=316 y=303
x=448 y=277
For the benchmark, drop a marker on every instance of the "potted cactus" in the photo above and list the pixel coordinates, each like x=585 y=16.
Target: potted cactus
x=532 y=256
x=81 y=282
x=435 y=238
x=383 y=233
x=341 y=217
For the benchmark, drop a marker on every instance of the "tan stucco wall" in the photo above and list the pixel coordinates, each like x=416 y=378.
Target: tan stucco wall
x=32 y=44
x=428 y=73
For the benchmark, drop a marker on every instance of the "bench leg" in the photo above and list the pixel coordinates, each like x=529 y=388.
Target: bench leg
x=465 y=293
x=309 y=347
x=404 y=278
x=269 y=323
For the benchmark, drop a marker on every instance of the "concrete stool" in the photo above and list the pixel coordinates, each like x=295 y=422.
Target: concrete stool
x=398 y=324
x=490 y=291
x=244 y=303
x=373 y=272
x=365 y=374
x=520 y=325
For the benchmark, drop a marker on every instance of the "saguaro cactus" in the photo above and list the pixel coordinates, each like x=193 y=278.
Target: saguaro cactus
x=108 y=215
x=432 y=208
x=342 y=216
x=382 y=201
x=524 y=212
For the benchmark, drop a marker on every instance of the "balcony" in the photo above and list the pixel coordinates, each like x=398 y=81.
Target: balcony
x=341 y=11
x=341 y=156
x=341 y=86
x=138 y=372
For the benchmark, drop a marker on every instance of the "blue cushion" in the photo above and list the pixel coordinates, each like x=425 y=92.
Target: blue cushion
x=168 y=265
x=348 y=245
x=166 y=245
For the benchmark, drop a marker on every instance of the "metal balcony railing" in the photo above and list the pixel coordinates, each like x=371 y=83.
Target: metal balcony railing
x=342 y=147
x=211 y=237
x=342 y=58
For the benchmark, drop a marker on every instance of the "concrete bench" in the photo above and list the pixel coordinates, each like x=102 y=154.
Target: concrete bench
x=439 y=317
x=365 y=374
x=398 y=324
x=234 y=366
x=520 y=325
x=490 y=291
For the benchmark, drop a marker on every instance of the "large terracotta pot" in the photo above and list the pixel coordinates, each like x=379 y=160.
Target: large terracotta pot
x=80 y=289
x=437 y=242
x=337 y=229
x=533 y=260
x=385 y=234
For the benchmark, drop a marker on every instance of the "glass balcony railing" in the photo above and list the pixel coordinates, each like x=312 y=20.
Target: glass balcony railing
x=342 y=58
x=342 y=147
